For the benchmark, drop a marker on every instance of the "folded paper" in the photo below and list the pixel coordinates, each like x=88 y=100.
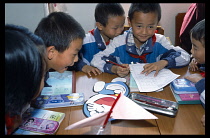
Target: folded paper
x=125 y=108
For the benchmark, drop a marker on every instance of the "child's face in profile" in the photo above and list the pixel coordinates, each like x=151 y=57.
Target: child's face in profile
x=113 y=28
x=198 y=51
x=144 y=26
x=61 y=61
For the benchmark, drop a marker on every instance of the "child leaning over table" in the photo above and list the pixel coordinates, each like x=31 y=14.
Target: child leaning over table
x=141 y=44
x=197 y=36
x=25 y=67
x=110 y=21
x=63 y=37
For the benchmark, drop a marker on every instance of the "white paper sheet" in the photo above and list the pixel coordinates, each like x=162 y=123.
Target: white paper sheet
x=150 y=83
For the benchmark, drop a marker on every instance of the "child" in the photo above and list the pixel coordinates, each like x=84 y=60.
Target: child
x=197 y=36
x=110 y=21
x=141 y=44
x=24 y=73
x=63 y=38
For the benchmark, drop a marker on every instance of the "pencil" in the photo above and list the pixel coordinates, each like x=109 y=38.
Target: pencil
x=115 y=63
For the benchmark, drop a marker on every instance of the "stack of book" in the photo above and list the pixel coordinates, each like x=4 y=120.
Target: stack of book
x=185 y=92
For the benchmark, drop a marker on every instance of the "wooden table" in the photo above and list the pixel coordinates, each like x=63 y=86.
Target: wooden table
x=187 y=120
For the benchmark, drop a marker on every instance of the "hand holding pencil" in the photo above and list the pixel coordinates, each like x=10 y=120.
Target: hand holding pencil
x=121 y=70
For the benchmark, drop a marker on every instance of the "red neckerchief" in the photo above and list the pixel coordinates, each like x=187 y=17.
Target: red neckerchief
x=203 y=74
x=9 y=123
x=143 y=56
x=92 y=32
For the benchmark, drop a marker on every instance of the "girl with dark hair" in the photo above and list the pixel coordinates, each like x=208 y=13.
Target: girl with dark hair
x=24 y=72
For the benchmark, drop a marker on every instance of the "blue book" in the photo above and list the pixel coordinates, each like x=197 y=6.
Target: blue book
x=63 y=100
x=183 y=86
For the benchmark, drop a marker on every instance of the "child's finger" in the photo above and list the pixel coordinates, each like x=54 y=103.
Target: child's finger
x=156 y=73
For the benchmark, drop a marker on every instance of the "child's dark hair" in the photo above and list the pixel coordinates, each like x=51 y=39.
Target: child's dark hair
x=198 y=32
x=105 y=10
x=24 y=68
x=145 y=8
x=59 y=29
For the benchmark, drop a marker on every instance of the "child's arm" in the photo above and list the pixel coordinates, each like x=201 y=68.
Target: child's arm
x=175 y=55
x=99 y=60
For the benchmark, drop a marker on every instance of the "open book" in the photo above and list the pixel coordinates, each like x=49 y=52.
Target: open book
x=61 y=83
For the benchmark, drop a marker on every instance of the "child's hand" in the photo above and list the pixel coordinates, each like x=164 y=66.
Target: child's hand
x=193 y=65
x=121 y=72
x=194 y=77
x=154 y=66
x=88 y=69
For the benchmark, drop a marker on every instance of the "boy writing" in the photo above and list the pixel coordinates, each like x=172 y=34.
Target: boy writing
x=141 y=44
x=63 y=38
x=197 y=36
x=110 y=21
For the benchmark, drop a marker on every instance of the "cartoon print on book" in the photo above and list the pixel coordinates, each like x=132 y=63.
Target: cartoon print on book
x=107 y=93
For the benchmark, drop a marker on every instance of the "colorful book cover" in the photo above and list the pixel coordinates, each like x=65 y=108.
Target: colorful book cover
x=63 y=100
x=182 y=86
x=189 y=97
x=40 y=114
x=184 y=99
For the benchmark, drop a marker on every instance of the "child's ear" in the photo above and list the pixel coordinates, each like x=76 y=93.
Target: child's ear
x=129 y=21
x=51 y=51
x=99 y=26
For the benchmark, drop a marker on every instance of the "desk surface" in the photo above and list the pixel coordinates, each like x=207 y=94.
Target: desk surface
x=187 y=120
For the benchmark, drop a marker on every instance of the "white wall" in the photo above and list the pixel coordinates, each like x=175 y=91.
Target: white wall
x=169 y=12
x=30 y=14
x=25 y=14
x=83 y=13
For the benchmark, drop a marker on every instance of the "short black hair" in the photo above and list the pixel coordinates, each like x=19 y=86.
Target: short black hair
x=198 y=31
x=145 y=8
x=59 y=29
x=24 y=68
x=105 y=10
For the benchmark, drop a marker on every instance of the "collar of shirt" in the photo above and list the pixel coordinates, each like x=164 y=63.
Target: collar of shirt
x=99 y=39
x=147 y=47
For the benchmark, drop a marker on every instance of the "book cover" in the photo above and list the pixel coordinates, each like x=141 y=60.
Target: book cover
x=39 y=114
x=189 y=97
x=184 y=99
x=182 y=86
x=63 y=100
x=61 y=83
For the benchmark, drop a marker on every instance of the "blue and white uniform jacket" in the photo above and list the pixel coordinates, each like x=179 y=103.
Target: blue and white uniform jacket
x=123 y=51
x=200 y=86
x=92 y=44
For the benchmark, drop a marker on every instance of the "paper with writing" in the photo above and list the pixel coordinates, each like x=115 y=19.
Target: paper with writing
x=150 y=83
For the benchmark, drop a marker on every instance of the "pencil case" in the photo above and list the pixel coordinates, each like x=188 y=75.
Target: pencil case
x=156 y=105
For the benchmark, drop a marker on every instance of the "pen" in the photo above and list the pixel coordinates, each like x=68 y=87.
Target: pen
x=150 y=103
x=115 y=63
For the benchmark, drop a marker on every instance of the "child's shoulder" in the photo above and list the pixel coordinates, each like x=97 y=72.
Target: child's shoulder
x=120 y=39
x=162 y=39
x=89 y=38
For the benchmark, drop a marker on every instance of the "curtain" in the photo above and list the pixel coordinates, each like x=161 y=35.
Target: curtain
x=54 y=7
